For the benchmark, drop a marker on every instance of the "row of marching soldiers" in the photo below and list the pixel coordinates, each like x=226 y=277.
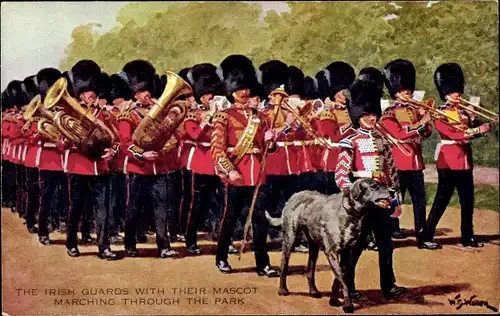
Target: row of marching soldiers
x=86 y=149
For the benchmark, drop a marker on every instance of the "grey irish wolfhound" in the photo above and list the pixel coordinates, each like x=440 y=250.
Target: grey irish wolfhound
x=332 y=222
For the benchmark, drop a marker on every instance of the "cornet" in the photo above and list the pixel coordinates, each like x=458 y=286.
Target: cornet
x=383 y=132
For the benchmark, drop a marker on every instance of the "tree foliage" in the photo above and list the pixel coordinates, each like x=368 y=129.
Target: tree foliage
x=311 y=35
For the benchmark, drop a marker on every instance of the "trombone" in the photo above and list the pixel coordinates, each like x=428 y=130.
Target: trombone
x=430 y=106
x=306 y=125
x=479 y=110
x=383 y=132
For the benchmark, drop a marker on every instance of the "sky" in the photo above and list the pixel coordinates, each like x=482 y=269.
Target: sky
x=35 y=34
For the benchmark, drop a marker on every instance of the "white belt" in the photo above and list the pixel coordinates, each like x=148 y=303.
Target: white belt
x=47 y=145
x=452 y=142
x=249 y=151
x=367 y=174
x=203 y=144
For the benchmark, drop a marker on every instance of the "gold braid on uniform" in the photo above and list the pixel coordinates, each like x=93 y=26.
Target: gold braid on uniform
x=125 y=115
x=326 y=115
x=218 y=144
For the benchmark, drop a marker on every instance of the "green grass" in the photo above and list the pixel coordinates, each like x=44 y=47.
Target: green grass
x=486 y=197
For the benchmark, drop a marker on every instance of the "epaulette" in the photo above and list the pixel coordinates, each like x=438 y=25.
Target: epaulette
x=389 y=112
x=125 y=116
x=220 y=117
x=326 y=115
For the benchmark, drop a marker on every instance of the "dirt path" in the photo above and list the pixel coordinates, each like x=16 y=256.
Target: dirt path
x=482 y=175
x=433 y=277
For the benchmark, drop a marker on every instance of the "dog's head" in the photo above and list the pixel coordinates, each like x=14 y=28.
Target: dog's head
x=366 y=194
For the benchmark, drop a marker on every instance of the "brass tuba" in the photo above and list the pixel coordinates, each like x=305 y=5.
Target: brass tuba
x=45 y=125
x=156 y=127
x=78 y=124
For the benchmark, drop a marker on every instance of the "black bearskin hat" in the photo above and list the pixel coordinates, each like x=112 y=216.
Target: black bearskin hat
x=274 y=74
x=16 y=95
x=86 y=76
x=449 y=78
x=160 y=83
x=374 y=75
x=183 y=74
x=119 y=88
x=105 y=87
x=31 y=86
x=239 y=73
x=295 y=82
x=322 y=85
x=310 y=89
x=70 y=83
x=141 y=75
x=46 y=78
x=399 y=75
x=5 y=101
x=340 y=75
x=204 y=80
x=364 y=99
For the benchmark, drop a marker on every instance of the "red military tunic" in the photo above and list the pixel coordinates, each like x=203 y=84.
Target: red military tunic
x=31 y=134
x=76 y=162
x=454 y=151
x=403 y=124
x=229 y=127
x=17 y=139
x=128 y=120
x=283 y=160
x=198 y=134
x=6 y=135
x=363 y=156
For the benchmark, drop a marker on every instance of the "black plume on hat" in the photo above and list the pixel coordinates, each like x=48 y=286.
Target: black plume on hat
x=274 y=74
x=119 y=88
x=374 y=75
x=204 y=80
x=399 y=75
x=340 y=75
x=364 y=99
x=141 y=75
x=449 y=78
x=86 y=76
x=46 y=78
x=239 y=73
x=295 y=82
x=310 y=89
x=15 y=94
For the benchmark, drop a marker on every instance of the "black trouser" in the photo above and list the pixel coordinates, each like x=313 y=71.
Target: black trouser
x=448 y=180
x=313 y=181
x=185 y=203
x=95 y=190
x=413 y=181
x=21 y=190
x=63 y=205
x=33 y=193
x=174 y=198
x=237 y=199
x=8 y=184
x=117 y=202
x=279 y=188
x=331 y=185
x=204 y=195
x=152 y=188
x=379 y=223
x=51 y=193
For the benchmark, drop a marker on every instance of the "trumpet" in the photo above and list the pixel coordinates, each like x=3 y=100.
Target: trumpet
x=430 y=106
x=479 y=110
x=384 y=133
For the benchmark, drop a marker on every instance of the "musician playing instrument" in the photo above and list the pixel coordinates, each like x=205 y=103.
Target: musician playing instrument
x=365 y=154
x=147 y=167
x=237 y=146
x=198 y=130
x=88 y=176
x=454 y=154
x=408 y=126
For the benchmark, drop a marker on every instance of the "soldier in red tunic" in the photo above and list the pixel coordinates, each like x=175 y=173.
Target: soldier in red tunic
x=237 y=146
x=8 y=168
x=334 y=122
x=198 y=133
x=454 y=155
x=88 y=176
x=147 y=184
x=408 y=127
x=366 y=155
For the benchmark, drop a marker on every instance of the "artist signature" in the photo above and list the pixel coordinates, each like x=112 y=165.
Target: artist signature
x=458 y=301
